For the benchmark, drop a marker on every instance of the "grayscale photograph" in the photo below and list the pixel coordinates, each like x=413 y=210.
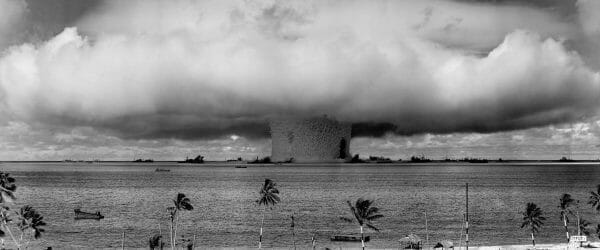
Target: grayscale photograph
x=300 y=124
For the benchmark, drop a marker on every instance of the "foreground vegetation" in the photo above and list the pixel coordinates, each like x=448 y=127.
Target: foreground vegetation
x=27 y=220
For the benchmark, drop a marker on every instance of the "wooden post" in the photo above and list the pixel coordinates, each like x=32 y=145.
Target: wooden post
x=426 y=232
x=194 y=242
x=467 y=217
x=160 y=240
x=123 y=240
x=578 y=227
x=462 y=226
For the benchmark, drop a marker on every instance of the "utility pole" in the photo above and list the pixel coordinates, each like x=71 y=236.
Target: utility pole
x=467 y=218
x=426 y=231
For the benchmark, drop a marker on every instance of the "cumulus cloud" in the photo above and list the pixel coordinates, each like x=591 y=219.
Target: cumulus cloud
x=190 y=69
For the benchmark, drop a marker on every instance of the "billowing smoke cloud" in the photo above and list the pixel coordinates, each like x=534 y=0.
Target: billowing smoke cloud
x=189 y=69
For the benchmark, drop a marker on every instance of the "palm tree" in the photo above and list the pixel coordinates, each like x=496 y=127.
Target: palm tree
x=293 y=231
x=532 y=218
x=155 y=242
x=181 y=203
x=30 y=219
x=268 y=197
x=584 y=227
x=4 y=220
x=364 y=214
x=565 y=210
x=595 y=199
x=7 y=187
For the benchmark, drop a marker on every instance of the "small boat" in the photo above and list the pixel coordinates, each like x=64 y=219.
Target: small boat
x=348 y=238
x=162 y=170
x=80 y=215
x=238 y=166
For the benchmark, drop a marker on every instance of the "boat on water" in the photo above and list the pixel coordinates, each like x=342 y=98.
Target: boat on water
x=238 y=166
x=162 y=170
x=349 y=238
x=80 y=215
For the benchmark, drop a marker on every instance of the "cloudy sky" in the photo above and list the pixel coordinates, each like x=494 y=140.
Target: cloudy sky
x=114 y=80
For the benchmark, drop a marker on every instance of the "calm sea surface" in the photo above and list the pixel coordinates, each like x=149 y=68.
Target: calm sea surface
x=134 y=198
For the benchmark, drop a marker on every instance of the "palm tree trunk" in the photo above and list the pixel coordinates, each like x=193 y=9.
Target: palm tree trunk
x=533 y=239
x=171 y=234
x=262 y=221
x=362 y=237
x=175 y=231
x=566 y=229
x=160 y=233
x=294 y=238
x=11 y=236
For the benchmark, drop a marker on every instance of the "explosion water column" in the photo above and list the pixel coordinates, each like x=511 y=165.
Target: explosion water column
x=310 y=140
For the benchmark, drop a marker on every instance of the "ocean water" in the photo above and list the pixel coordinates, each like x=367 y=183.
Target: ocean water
x=134 y=198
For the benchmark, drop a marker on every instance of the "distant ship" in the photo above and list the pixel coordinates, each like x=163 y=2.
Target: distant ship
x=141 y=160
x=198 y=159
x=162 y=170
x=566 y=159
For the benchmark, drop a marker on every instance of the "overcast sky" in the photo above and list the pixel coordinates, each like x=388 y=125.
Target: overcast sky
x=114 y=80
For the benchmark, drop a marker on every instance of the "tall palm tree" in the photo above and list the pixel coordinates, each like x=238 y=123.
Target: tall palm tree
x=268 y=197
x=595 y=199
x=532 y=218
x=7 y=187
x=181 y=203
x=364 y=214
x=566 y=201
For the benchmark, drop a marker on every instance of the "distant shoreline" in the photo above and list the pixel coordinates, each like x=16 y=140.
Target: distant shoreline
x=328 y=163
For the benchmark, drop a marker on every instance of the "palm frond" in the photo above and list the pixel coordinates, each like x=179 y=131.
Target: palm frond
x=354 y=210
x=374 y=217
x=594 y=199
x=584 y=227
x=268 y=194
x=7 y=187
x=524 y=224
x=182 y=202
x=364 y=212
x=29 y=218
x=532 y=217
x=347 y=219
x=566 y=201
x=372 y=227
x=372 y=210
